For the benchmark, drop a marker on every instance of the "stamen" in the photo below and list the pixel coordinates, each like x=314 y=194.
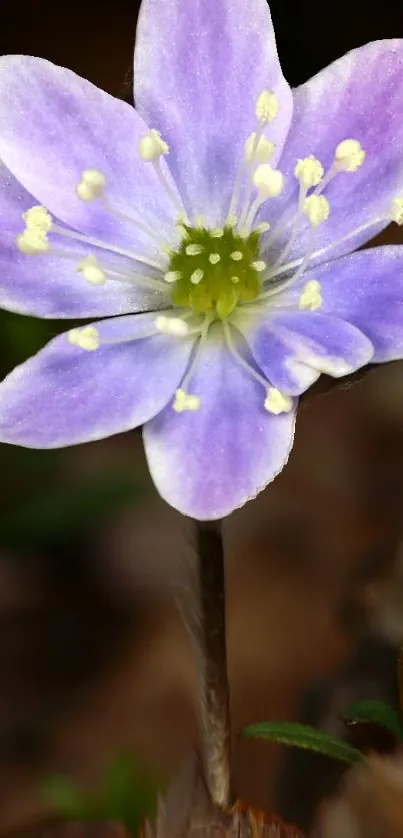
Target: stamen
x=303 y=264
x=171 y=326
x=172 y=276
x=258 y=149
x=91 y=185
x=267 y=106
x=285 y=268
x=234 y=279
x=236 y=255
x=311 y=297
x=182 y=231
x=396 y=211
x=214 y=258
x=152 y=146
x=350 y=155
x=275 y=401
x=269 y=181
x=270 y=184
x=259 y=266
x=184 y=400
x=136 y=279
x=90 y=240
x=121 y=216
x=263 y=227
x=86 y=338
x=216 y=233
x=37 y=218
x=197 y=276
x=309 y=171
x=168 y=189
x=243 y=233
x=34 y=239
x=317 y=208
x=194 y=249
x=89 y=338
x=33 y=242
x=92 y=271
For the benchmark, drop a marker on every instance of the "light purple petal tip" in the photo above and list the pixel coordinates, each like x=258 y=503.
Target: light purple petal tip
x=360 y=96
x=210 y=462
x=199 y=68
x=366 y=289
x=65 y=395
x=54 y=125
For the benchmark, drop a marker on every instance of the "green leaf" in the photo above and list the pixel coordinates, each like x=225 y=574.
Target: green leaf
x=303 y=736
x=375 y=712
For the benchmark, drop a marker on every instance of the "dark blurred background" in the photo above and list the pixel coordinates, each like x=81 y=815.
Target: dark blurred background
x=93 y=654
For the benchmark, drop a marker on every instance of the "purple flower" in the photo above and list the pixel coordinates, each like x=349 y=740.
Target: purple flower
x=216 y=224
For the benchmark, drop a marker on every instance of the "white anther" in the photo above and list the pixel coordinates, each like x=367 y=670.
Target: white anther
x=269 y=181
x=350 y=155
x=182 y=231
x=185 y=401
x=33 y=242
x=236 y=255
x=91 y=185
x=264 y=227
x=214 y=258
x=267 y=106
x=152 y=146
x=262 y=153
x=396 y=211
x=194 y=249
x=200 y=220
x=197 y=276
x=276 y=402
x=259 y=266
x=234 y=279
x=94 y=177
x=37 y=218
x=171 y=326
x=172 y=276
x=86 y=338
x=309 y=171
x=311 y=297
x=243 y=233
x=92 y=271
x=317 y=208
x=34 y=239
x=216 y=232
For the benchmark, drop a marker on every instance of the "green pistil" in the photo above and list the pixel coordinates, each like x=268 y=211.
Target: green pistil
x=226 y=281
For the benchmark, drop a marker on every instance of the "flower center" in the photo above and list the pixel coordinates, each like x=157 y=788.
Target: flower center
x=215 y=269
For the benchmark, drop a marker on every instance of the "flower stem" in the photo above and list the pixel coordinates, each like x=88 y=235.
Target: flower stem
x=214 y=692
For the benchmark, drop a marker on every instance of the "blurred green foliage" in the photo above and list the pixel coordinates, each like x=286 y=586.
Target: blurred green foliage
x=22 y=336
x=127 y=793
x=40 y=504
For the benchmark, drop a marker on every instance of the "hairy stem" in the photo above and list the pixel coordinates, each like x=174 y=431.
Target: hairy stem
x=214 y=703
